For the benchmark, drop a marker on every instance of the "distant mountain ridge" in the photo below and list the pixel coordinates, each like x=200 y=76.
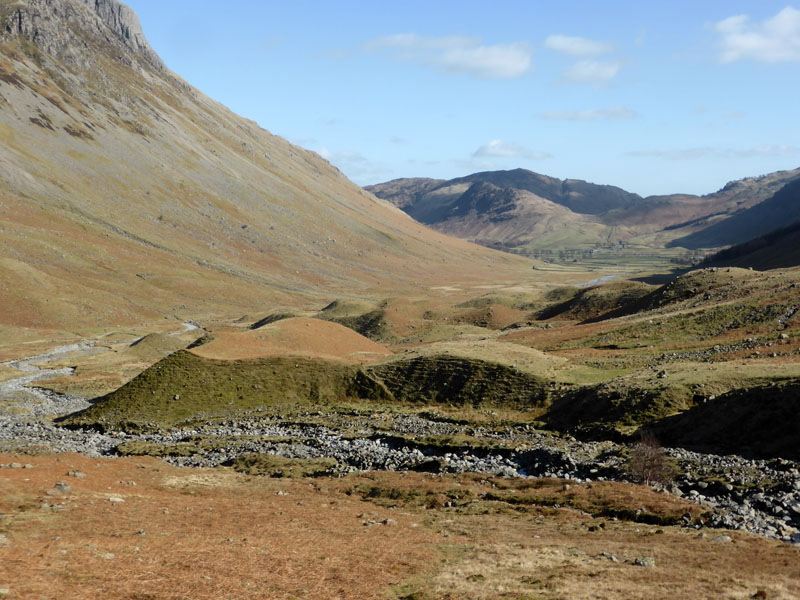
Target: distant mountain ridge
x=537 y=211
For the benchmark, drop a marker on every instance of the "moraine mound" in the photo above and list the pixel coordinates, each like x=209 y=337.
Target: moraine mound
x=185 y=387
x=298 y=336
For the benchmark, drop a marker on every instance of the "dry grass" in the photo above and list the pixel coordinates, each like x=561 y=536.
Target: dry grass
x=205 y=533
x=303 y=336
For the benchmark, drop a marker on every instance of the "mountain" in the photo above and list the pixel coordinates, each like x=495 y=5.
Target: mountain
x=523 y=210
x=777 y=249
x=432 y=201
x=126 y=194
x=775 y=212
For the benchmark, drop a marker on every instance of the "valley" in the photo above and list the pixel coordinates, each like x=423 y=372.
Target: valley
x=226 y=370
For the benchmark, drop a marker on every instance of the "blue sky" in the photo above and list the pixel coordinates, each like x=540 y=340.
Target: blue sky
x=655 y=97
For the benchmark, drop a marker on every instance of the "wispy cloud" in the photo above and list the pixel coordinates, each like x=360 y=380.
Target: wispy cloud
x=577 y=46
x=774 y=40
x=765 y=150
x=593 y=72
x=459 y=54
x=681 y=154
x=500 y=149
x=615 y=113
x=356 y=166
x=707 y=151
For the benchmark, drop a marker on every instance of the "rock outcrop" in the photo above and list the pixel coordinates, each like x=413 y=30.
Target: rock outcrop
x=42 y=22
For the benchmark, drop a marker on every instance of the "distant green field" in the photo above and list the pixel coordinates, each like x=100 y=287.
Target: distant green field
x=625 y=260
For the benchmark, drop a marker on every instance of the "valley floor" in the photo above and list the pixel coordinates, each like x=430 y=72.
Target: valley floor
x=408 y=495
x=80 y=527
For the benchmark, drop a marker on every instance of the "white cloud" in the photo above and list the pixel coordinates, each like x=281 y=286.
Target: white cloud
x=615 y=113
x=593 y=72
x=704 y=152
x=460 y=54
x=577 y=46
x=776 y=39
x=500 y=149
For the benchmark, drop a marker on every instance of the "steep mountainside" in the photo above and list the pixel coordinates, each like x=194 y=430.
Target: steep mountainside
x=541 y=212
x=126 y=194
x=777 y=249
x=780 y=210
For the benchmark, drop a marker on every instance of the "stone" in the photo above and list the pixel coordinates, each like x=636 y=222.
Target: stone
x=116 y=500
x=60 y=489
x=721 y=539
x=389 y=522
x=77 y=474
x=645 y=561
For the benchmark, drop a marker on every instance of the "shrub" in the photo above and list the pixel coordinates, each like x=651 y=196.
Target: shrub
x=647 y=462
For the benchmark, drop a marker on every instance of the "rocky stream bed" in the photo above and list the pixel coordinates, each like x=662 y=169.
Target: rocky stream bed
x=760 y=496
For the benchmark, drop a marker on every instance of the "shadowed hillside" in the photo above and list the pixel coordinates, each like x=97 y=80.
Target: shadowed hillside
x=780 y=248
x=777 y=211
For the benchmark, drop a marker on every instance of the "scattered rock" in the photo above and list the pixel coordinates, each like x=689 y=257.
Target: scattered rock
x=607 y=556
x=645 y=561
x=77 y=474
x=60 y=489
x=389 y=522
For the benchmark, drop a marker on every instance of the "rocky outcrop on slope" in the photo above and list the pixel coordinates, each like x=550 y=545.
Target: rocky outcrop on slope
x=41 y=22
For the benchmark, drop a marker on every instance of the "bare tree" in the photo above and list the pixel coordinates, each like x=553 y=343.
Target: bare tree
x=647 y=462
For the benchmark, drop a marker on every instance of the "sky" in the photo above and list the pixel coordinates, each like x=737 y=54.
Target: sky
x=654 y=97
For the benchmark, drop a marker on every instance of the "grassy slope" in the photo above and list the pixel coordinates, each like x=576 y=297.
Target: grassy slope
x=171 y=204
x=682 y=349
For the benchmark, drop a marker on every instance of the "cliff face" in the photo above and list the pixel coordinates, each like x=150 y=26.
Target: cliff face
x=73 y=30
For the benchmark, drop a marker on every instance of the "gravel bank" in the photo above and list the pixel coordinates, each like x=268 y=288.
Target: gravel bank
x=759 y=496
